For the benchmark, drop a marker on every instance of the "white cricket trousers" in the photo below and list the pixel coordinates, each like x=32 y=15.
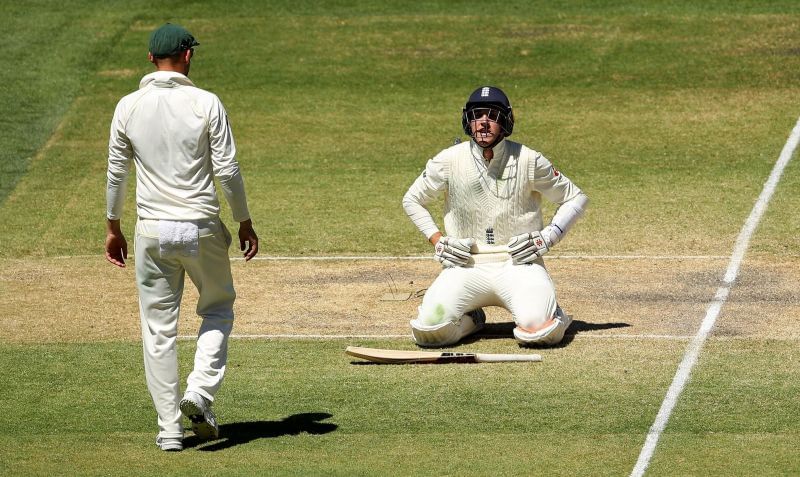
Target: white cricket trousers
x=525 y=290
x=160 y=282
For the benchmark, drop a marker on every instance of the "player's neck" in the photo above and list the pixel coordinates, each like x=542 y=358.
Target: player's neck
x=488 y=154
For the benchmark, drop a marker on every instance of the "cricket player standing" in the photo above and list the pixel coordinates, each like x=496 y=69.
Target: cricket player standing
x=179 y=138
x=494 y=233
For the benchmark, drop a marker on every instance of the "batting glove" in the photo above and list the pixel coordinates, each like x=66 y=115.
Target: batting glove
x=551 y=235
x=528 y=247
x=453 y=252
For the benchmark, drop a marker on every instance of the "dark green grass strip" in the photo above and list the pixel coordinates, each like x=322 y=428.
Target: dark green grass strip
x=50 y=51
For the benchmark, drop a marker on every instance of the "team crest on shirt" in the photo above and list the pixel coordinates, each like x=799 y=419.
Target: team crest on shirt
x=555 y=172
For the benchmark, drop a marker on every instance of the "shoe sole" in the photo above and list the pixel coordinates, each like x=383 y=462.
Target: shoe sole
x=200 y=425
x=173 y=446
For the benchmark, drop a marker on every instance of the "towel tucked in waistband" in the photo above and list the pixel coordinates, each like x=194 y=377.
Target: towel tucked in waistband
x=178 y=239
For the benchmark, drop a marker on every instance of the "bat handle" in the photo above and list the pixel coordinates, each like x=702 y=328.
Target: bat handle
x=489 y=358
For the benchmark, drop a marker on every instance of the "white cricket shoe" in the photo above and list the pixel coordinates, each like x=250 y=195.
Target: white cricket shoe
x=170 y=444
x=197 y=409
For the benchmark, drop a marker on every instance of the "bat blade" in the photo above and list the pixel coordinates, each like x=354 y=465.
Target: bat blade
x=390 y=356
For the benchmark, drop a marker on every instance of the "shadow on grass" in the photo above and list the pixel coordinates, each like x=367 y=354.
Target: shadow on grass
x=505 y=330
x=237 y=433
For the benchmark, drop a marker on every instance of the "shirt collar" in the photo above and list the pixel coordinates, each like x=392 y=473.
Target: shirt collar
x=165 y=79
x=499 y=148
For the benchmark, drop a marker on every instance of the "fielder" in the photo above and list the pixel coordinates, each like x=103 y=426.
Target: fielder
x=179 y=139
x=495 y=238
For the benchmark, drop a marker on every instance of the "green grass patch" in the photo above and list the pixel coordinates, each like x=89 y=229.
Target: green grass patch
x=669 y=116
x=304 y=408
x=738 y=415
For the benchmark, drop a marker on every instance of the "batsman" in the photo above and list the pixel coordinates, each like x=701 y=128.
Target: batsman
x=494 y=236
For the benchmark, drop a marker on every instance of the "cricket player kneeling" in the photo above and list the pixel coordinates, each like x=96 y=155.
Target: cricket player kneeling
x=495 y=239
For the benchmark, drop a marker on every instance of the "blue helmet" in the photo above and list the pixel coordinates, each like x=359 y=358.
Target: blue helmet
x=494 y=98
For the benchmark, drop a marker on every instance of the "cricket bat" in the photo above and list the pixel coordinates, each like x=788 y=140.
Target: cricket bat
x=392 y=356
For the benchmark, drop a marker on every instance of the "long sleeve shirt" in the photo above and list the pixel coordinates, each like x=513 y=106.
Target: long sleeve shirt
x=492 y=202
x=179 y=139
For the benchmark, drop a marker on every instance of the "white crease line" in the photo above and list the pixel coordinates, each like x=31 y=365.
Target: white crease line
x=714 y=308
x=290 y=336
x=548 y=257
x=295 y=258
x=579 y=336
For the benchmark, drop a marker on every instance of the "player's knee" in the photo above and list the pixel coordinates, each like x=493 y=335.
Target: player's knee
x=431 y=314
x=441 y=334
x=532 y=315
x=533 y=319
x=547 y=333
x=446 y=332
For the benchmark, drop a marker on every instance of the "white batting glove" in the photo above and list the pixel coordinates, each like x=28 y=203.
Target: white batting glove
x=453 y=252
x=551 y=235
x=528 y=247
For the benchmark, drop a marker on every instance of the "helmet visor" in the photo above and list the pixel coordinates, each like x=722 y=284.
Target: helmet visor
x=478 y=114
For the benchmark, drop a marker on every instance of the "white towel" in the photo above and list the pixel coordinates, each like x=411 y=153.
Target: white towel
x=178 y=238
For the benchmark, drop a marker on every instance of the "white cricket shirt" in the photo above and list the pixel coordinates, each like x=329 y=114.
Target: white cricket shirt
x=179 y=138
x=492 y=202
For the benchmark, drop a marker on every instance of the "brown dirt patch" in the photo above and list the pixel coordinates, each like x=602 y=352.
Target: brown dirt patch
x=84 y=299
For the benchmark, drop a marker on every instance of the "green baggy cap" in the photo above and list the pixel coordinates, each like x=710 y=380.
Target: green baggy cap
x=170 y=40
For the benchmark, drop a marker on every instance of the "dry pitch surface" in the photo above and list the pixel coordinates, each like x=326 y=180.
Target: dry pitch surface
x=85 y=299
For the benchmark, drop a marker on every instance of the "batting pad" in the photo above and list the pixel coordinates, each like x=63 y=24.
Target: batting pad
x=551 y=335
x=443 y=334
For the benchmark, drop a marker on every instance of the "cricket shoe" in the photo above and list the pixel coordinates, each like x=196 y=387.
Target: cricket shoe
x=170 y=444
x=197 y=409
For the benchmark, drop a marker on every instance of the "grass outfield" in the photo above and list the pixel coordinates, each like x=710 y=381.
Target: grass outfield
x=670 y=115
x=304 y=408
x=669 y=118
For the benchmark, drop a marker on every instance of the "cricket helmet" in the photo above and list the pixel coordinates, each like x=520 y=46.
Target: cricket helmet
x=489 y=97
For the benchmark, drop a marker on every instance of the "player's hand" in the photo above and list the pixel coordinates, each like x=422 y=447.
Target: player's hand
x=116 y=245
x=528 y=247
x=453 y=252
x=248 y=240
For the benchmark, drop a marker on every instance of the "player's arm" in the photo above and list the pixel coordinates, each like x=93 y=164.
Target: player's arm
x=226 y=170
x=426 y=188
x=120 y=155
x=450 y=251
x=557 y=188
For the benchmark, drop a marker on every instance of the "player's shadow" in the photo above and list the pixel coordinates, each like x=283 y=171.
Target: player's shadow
x=505 y=330
x=237 y=433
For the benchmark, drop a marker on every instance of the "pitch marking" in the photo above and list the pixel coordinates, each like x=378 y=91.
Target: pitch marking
x=549 y=257
x=417 y=257
x=290 y=336
x=714 y=308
